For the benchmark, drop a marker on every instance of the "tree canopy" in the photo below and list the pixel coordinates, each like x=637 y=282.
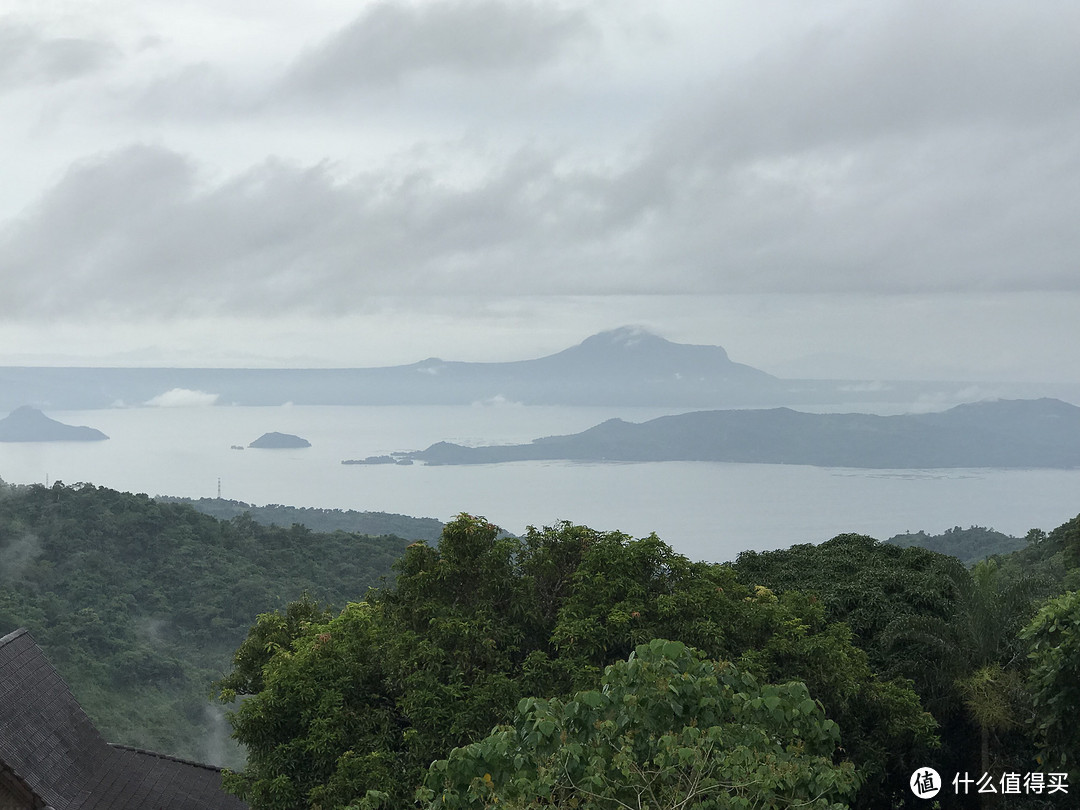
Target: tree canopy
x=665 y=728
x=368 y=699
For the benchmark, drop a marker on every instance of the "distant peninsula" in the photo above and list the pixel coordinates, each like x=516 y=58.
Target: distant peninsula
x=279 y=441
x=26 y=424
x=1002 y=433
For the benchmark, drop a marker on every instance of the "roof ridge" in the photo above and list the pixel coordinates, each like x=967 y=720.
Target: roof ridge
x=145 y=752
x=14 y=634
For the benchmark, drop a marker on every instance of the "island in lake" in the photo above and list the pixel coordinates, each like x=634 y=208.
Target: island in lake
x=279 y=441
x=394 y=458
x=28 y=424
x=1002 y=433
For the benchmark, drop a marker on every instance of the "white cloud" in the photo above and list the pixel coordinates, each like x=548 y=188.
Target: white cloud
x=182 y=398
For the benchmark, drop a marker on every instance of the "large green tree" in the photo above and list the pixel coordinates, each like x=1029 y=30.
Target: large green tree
x=873 y=587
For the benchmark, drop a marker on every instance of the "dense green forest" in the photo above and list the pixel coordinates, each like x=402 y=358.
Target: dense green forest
x=568 y=667
x=318 y=520
x=140 y=604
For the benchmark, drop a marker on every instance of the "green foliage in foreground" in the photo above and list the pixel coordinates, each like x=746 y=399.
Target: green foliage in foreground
x=1054 y=639
x=666 y=728
x=140 y=604
x=365 y=701
x=955 y=632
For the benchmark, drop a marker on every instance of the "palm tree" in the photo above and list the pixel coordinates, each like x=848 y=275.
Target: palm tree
x=980 y=657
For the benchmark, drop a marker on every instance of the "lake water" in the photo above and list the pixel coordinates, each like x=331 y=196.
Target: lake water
x=705 y=510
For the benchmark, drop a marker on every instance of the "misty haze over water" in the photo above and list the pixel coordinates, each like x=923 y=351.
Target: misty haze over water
x=705 y=510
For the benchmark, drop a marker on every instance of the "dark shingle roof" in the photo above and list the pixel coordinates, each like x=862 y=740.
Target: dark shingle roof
x=186 y=785
x=47 y=740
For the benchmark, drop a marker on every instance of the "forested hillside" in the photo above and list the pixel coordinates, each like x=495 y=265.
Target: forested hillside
x=318 y=520
x=140 y=604
x=968 y=545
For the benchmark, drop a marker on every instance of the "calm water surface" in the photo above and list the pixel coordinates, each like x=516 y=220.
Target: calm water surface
x=705 y=510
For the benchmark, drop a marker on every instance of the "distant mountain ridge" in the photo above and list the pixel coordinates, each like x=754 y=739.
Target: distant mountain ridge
x=628 y=366
x=637 y=351
x=624 y=366
x=1021 y=433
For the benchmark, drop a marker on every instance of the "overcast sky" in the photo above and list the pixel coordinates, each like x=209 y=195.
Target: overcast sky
x=881 y=189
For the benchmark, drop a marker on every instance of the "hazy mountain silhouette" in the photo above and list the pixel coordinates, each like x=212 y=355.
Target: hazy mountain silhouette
x=279 y=441
x=26 y=424
x=1024 y=433
x=623 y=367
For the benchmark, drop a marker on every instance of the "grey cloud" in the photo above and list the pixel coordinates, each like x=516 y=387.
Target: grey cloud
x=900 y=69
x=845 y=179
x=28 y=56
x=194 y=92
x=917 y=146
x=392 y=40
x=136 y=232
x=466 y=40
x=963 y=212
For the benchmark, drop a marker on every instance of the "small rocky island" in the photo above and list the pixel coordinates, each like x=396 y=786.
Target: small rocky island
x=279 y=441
x=28 y=424
x=393 y=458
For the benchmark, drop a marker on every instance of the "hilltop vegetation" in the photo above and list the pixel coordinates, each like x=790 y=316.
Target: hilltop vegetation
x=318 y=520
x=140 y=604
x=968 y=545
x=484 y=676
